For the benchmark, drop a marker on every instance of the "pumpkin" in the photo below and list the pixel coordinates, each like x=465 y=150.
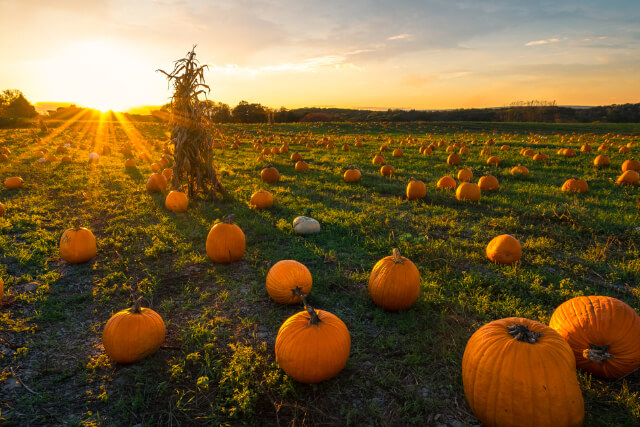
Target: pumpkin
x=569 y=152
x=1 y=289
x=519 y=372
x=94 y=157
x=446 y=182
x=504 y=249
x=302 y=166
x=528 y=152
x=130 y=163
x=305 y=225
x=586 y=148
x=397 y=152
x=574 y=185
x=631 y=164
x=541 y=157
x=505 y=148
x=225 y=242
x=628 y=178
x=156 y=182
x=312 y=346
x=601 y=161
x=346 y=147
x=427 y=151
x=131 y=335
x=352 y=175
x=4 y=158
x=2 y=211
x=416 y=189
x=176 y=201
x=384 y=147
x=468 y=191
x=270 y=175
x=261 y=199
x=378 y=159
x=77 y=245
x=603 y=332
x=286 y=280
x=624 y=150
x=454 y=159
x=168 y=173
x=66 y=159
x=394 y=283
x=488 y=183
x=464 y=151
x=465 y=175
x=296 y=157
x=493 y=161
x=13 y=182
x=387 y=170
x=519 y=170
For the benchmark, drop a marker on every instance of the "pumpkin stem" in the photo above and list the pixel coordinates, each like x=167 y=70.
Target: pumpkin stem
x=77 y=225
x=313 y=316
x=397 y=258
x=137 y=306
x=522 y=333
x=597 y=354
x=229 y=219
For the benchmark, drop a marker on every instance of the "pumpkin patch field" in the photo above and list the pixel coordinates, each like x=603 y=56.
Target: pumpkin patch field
x=368 y=320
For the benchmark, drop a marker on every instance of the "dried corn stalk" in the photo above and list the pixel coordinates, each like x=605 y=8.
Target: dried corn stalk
x=192 y=145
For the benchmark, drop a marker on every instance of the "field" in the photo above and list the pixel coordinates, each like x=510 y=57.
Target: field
x=217 y=364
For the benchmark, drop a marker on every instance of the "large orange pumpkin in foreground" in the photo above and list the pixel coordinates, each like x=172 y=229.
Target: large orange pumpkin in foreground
x=133 y=334
x=225 y=242
x=286 y=279
x=270 y=175
x=504 y=249
x=603 y=332
x=488 y=183
x=394 y=283
x=519 y=372
x=468 y=191
x=313 y=346
x=77 y=245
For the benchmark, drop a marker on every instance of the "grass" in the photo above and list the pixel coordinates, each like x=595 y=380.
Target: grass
x=217 y=364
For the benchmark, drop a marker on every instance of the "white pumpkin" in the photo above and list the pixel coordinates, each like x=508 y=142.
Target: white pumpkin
x=94 y=157
x=42 y=160
x=305 y=225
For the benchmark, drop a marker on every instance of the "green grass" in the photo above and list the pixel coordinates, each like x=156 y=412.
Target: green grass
x=217 y=364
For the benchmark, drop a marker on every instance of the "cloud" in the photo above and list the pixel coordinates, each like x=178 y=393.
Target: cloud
x=400 y=37
x=542 y=42
x=417 y=80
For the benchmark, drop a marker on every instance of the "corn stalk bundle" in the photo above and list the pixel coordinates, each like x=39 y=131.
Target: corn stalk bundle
x=193 y=151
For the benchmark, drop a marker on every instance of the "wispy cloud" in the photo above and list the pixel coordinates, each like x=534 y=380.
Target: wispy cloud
x=400 y=37
x=417 y=80
x=305 y=66
x=542 y=42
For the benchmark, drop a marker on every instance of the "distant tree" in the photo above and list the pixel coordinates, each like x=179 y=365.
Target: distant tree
x=13 y=104
x=249 y=113
x=218 y=112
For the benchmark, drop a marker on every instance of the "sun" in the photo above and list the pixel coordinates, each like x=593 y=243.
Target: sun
x=103 y=75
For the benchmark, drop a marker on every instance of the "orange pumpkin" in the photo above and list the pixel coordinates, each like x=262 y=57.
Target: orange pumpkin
x=387 y=170
x=77 y=245
x=519 y=170
x=156 y=182
x=312 y=346
x=397 y=152
x=133 y=334
x=225 y=242
x=504 y=249
x=454 y=159
x=302 y=166
x=286 y=280
x=601 y=161
x=2 y=211
x=296 y=157
x=66 y=159
x=493 y=161
x=468 y=191
x=631 y=164
x=416 y=189
x=446 y=182
x=130 y=163
x=176 y=201
x=628 y=178
x=261 y=199
x=394 y=283
x=13 y=182
x=352 y=175
x=541 y=370
x=4 y=158
x=168 y=174
x=488 y=183
x=574 y=185
x=465 y=175
x=603 y=332
x=378 y=159
x=270 y=175
x=540 y=157
x=586 y=148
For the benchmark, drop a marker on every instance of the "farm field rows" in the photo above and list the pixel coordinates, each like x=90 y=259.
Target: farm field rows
x=217 y=362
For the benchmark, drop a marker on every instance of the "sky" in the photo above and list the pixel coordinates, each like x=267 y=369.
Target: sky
x=408 y=54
